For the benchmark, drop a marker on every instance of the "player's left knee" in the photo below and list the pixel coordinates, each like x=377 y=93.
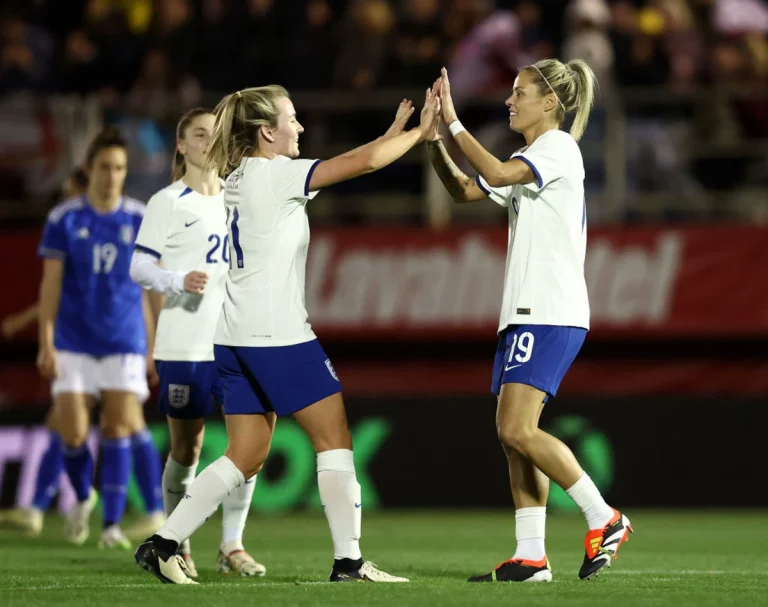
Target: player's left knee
x=515 y=437
x=248 y=461
x=111 y=428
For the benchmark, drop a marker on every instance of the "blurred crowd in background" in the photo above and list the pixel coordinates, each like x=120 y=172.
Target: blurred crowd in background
x=151 y=48
x=148 y=58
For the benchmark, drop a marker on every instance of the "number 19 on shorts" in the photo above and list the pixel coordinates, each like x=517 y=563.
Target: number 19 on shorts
x=521 y=348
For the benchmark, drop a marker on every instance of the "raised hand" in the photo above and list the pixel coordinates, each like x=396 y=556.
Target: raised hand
x=448 y=111
x=434 y=134
x=430 y=113
x=404 y=112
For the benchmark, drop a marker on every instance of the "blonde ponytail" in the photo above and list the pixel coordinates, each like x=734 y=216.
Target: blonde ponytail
x=584 y=97
x=239 y=117
x=574 y=86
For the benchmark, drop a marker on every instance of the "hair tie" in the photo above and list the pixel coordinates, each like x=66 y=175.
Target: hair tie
x=239 y=95
x=534 y=66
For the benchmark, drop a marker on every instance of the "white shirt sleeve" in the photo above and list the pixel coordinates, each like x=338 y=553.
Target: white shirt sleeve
x=549 y=158
x=290 y=180
x=146 y=271
x=501 y=196
x=155 y=227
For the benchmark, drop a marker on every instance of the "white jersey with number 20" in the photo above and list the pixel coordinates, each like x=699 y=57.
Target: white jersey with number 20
x=186 y=231
x=268 y=238
x=544 y=280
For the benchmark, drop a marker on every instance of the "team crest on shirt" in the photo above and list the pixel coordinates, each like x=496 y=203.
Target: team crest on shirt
x=178 y=395
x=331 y=370
x=126 y=234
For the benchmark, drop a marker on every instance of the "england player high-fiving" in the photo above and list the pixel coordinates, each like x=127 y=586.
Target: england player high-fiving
x=185 y=229
x=545 y=310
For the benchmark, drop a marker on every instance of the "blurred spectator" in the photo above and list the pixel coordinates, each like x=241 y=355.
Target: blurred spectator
x=639 y=56
x=486 y=60
x=83 y=69
x=172 y=30
x=26 y=55
x=683 y=43
x=137 y=14
x=312 y=46
x=534 y=35
x=120 y=51
x=365 y=36
x=419 y=43
x=159 y=92
x=266 y=37
x=588 y=37
x=741 y=16
x=220 y=41
x=657 y=129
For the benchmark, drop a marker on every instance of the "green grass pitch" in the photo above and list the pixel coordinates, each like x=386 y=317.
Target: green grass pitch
x=680 y=558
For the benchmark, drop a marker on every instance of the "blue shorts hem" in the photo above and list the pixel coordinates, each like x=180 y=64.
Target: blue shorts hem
x=532 y=384
x=279 y=379
x=285 y=411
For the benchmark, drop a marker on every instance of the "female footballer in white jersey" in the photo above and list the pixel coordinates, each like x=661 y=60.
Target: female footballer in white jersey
x=545 y=310
x=185 y=227
x=268 y=357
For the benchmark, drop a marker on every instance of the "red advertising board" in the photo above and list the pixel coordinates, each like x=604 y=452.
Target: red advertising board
x=411 y=283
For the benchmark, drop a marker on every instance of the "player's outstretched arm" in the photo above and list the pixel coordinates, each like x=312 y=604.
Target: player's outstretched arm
x=376 y=154
x=495 y=172
x=16 y=323
x=50 y=296
x=459 y=186
x=403 y=114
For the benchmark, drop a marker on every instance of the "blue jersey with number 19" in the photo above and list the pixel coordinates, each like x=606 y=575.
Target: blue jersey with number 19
x=100 y=311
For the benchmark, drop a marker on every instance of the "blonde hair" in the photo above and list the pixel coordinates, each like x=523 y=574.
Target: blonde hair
x=573 y=84
x=179 y=166
x=239 y=117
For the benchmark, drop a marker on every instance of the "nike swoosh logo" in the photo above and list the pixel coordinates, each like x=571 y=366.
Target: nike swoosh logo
x=512 y=367
x=186 y=225
x=358 y=505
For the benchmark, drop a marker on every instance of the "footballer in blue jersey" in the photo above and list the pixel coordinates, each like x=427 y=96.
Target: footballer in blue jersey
x=93 y=339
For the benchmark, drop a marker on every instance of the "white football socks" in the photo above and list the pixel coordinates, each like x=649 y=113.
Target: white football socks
x=340 y=496
x=587 y=497
x=176 y=481
x=530 y=524
x=201 y=499
x=234 y=510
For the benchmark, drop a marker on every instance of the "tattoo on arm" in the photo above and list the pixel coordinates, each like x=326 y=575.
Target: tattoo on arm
x=454 y=180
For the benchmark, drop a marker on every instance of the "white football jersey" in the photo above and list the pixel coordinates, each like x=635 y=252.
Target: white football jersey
x=544 y=280
x=187 y=231
x=268 y=238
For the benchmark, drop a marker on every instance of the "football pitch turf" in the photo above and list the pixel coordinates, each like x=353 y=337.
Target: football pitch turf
x=680 y=558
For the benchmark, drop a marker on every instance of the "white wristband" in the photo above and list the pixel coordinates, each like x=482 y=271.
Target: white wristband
x=456 y=127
